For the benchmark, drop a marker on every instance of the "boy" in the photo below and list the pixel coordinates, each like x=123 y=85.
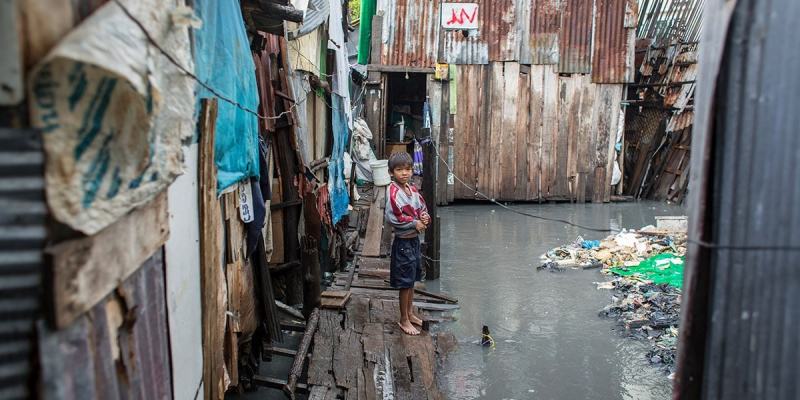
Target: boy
x=408 y=215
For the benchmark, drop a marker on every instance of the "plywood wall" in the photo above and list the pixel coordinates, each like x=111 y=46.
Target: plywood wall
x=527 y=133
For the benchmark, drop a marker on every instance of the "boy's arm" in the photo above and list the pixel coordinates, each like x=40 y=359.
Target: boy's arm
x=394 y=214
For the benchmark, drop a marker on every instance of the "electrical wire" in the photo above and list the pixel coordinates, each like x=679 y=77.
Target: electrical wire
x=194 y=77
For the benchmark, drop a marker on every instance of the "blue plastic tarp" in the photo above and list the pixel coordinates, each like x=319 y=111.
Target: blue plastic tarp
x=224 y=62
x=336 y=184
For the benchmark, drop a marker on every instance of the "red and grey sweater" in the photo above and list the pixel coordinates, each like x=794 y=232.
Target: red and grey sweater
x=403 y=211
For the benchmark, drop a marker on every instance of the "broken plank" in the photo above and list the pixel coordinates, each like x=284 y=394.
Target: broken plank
x=337 y=303
x=321 y=365
x=348 y=354
x=375 y=223
x=86 y=270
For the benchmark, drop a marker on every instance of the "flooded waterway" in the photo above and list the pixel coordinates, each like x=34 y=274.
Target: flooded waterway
x=550 y=342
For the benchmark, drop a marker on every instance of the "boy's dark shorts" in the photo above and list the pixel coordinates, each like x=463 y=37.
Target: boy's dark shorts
x=406 y=263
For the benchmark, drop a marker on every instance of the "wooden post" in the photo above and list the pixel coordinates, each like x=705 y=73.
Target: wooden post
x=302 y=352
x=429 y=194
x=211 y=274
x=312 y=290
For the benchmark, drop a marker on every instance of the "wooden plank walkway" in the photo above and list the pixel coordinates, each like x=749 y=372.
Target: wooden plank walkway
x=359 y=352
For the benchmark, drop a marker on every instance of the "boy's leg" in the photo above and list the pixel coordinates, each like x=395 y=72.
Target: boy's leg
x=405 y=323
x=416 y=320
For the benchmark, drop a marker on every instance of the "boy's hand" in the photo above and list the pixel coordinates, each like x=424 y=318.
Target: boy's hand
x=420 y=226
x=426 y=218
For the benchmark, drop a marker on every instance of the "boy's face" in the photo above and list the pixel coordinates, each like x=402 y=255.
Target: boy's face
x=402 y=174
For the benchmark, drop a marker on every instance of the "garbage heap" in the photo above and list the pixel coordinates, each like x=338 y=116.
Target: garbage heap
x=647 y=270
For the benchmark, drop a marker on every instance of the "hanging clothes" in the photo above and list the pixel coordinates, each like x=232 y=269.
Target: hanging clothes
x=418 y=158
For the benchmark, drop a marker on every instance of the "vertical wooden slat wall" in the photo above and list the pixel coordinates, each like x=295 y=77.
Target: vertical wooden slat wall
x=525 y=133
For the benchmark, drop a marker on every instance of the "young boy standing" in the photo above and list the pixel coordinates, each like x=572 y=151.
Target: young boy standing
x=408 y=215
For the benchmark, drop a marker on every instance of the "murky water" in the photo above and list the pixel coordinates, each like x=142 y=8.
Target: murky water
x=551 y=344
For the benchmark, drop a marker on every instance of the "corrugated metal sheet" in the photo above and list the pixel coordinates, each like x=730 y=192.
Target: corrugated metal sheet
x=411 y=33
x=412 y=29
x=119 y=350
x=612 y=47
x=752 y=344
x=575 y=37
x=22 y=235
x=544 y=27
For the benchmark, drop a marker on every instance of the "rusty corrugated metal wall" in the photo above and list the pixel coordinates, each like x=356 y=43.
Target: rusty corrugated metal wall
x=575 y=37
x=412 y=29
x=614 y=32
x=411 y=33
x=544 y=27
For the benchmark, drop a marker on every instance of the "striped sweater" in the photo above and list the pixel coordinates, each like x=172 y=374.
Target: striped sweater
x=403 y=211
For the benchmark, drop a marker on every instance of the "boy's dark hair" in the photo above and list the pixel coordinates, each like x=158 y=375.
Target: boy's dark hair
x=400 y=159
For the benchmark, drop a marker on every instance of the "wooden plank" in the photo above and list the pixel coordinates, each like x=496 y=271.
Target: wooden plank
x=508 y=135
x=348 y=356
x=212 y=276
x=550 y=112
x=277 y=223
x=535 y=132
x=86 y=270
x=357 y=313
x=420 y=350
x=494 y=151
x=399 y=363
x=570 y=116
x=375 y=223
x=523 y=128
x=585 y=138
x=617 y=119
x=322 y=358
x=232 y=352
x=336 y=303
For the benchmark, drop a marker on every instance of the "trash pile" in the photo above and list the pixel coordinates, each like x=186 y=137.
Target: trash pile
x=647 y=266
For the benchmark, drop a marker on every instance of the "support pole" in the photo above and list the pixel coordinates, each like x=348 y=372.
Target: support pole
x=302 y=352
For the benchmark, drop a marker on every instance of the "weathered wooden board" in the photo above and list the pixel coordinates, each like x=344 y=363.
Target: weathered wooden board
x=212 y=278
x=524 y=133
x=348 y=355
x=86 y=270
x=332 y=300
x=375 y=224
x=534 y=137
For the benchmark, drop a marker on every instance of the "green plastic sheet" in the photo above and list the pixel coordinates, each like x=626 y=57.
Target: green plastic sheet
x=663 y=268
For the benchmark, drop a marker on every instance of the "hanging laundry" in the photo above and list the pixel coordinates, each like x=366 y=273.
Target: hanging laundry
x=418 y=158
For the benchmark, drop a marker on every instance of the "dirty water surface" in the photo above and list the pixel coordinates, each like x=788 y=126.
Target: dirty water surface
x=550 y=341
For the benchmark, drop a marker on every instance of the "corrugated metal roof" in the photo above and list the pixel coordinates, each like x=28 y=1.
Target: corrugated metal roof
x=575 y=37
x=544 y=27
x=411 y=36
x=612 y=41
x=22 y=234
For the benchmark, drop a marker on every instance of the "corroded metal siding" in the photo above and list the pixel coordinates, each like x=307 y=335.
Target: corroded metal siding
x=22 y=235
x=545 y=23
x=411 y=33
x=118 y=350
x=575 y=37
x=497 y=39
x=611 y=47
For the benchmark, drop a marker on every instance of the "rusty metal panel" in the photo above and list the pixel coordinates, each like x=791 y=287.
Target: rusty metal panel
x=23 y=216
x=575 y=37
x=504 y=34
x=545 y=25
x=118 y=350
x=611 y=41
x=410 y=34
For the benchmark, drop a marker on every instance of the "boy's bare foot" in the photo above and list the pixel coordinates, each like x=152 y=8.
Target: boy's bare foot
x=408 y=328
x=415 y=320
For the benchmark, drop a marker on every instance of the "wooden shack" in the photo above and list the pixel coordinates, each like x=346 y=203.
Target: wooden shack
x=524 y=95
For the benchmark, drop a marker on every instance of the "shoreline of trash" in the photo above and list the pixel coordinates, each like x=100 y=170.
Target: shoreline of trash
x=647 y=266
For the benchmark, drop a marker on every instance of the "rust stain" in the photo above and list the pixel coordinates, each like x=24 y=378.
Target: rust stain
x=611 y=47
x=575 y=37
x=544 y=28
